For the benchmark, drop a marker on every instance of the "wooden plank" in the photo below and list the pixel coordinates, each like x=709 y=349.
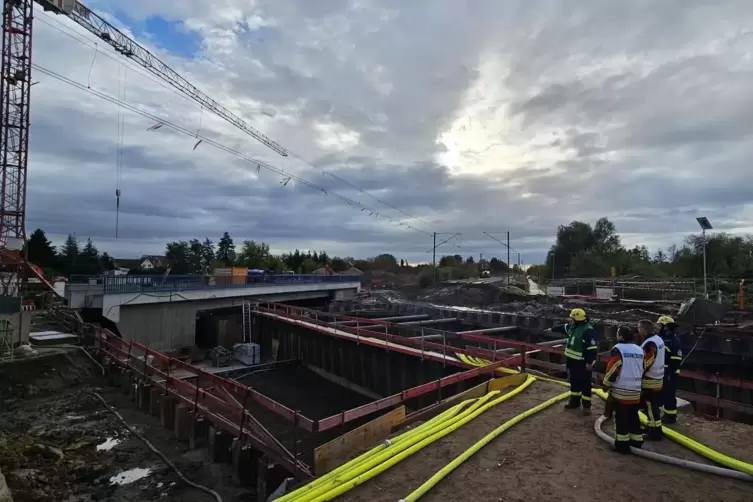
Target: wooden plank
x=508 y=381
x=346 y=447
x=435 y=409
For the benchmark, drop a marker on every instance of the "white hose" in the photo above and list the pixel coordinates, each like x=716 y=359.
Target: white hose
x=687 y=464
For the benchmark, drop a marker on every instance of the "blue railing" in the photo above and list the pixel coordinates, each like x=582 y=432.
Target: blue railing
x=154 y=283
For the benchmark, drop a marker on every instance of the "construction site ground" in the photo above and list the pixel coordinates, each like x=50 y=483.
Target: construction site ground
x=555 y=455
x=50 y=428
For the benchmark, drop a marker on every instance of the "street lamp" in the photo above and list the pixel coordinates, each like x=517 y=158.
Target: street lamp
x=705 y=225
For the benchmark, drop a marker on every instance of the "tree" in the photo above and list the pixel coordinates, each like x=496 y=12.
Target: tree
x=40 y=250
x=69 y=253
x=254 y=255
x=308 y=266
x=88 y=260
x=106 y=262
x=496 y=265
x=449 y=261
x=339 y=265
x=195 y=256
x=177 y=253
x=226 y=250
x=385 y=262
x=207 y=256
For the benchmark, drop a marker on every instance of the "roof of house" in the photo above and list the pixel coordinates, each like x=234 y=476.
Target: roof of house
x=130 y=263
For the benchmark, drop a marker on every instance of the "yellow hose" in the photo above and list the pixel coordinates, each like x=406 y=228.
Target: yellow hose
x=377 y=465
x=384 y=445
x=691 y=444
x=354 y=468
x=442 y=473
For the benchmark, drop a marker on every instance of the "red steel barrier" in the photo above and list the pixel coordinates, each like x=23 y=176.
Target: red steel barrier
x=319 y=320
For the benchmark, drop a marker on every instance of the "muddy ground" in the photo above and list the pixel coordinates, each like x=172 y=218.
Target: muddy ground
x=50 y=430
x=555 y=455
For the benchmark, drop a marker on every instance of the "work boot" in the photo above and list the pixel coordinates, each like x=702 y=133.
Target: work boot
x=654 y=434
x=587 y=411
x=669 y=419
x=572 y=405
x=622 y=447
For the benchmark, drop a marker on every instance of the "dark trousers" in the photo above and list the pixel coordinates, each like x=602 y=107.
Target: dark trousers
x=651 y=402
x=580 y=383
x=669 y=399
x=627 y=425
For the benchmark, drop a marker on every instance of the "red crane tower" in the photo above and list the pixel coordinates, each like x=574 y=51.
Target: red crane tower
x=15 y=93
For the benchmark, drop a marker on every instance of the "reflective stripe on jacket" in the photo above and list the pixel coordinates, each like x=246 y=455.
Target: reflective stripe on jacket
x=576 y=345
x=654 y=374
x=627 y=386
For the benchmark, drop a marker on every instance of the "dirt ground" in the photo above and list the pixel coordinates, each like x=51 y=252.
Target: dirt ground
x=555 y=455
x=50 y=430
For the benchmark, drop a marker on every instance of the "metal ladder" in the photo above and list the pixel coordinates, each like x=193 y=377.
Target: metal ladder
x=246 y=306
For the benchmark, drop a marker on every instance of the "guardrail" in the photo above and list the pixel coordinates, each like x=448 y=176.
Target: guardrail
x=229 y=415
x=156 y=283
x=480 y=346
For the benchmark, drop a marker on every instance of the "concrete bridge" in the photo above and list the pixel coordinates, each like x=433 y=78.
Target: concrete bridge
x=162 y=312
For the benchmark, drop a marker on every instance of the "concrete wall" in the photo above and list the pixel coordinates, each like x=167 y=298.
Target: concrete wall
x=168 y=326
x=111 y=303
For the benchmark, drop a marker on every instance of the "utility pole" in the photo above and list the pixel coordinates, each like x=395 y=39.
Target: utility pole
x=434 y=261
x=434 y=253
x=509 y=275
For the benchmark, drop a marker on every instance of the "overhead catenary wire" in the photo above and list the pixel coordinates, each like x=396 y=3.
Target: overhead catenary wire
x=85 y=40
x=161 y=122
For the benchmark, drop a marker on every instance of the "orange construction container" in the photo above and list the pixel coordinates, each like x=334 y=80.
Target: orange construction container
x=240 y=271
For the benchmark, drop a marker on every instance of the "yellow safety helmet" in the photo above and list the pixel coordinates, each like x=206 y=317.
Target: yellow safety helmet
x=665 y=319
x=578 y=315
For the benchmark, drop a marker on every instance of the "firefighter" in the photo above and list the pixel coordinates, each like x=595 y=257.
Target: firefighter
x=668 y=332
x=653 y=378
x=623 y=378
x=580 y=353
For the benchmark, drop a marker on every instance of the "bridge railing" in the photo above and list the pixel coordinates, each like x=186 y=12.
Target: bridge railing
x=155 y=283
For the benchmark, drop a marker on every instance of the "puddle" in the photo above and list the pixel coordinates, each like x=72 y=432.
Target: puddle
x=108 y=445
x=129 y=476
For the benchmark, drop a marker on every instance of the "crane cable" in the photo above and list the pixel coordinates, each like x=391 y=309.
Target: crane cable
x=160 y=122
x=122 y=82
x=85 y=40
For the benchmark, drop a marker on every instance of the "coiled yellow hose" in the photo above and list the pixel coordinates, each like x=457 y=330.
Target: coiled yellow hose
x=356 y=472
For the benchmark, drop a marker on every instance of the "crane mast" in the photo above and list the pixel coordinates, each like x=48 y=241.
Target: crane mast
x=15 y=94
x=15 y=91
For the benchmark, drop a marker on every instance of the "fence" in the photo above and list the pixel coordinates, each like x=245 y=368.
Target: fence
x=154 y=283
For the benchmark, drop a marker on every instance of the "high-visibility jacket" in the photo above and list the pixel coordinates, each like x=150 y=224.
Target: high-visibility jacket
x=627 y=385
x=576 y=343
x=673 y=349
x=653 y=376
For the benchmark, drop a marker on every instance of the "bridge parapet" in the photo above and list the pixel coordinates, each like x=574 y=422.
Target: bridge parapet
x=156 y=283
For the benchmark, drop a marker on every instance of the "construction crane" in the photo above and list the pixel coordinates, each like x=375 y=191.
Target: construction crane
x=15 y=91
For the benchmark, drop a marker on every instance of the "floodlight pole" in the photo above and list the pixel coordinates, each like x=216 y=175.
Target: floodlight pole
x=705 y=288
x=705 y=225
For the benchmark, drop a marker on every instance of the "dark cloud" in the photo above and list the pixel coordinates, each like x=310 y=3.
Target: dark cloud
x=490 y=116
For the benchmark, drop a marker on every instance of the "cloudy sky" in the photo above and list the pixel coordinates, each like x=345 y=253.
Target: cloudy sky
x=424 y=116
